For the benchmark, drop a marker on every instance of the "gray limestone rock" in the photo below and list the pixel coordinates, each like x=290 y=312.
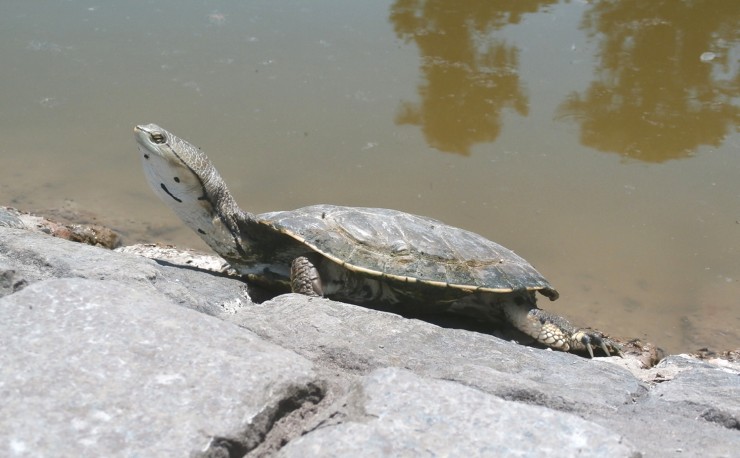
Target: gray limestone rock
x=98 y=359
x=27 y=257
x=700 y=385
x=358 y=340
x=392 y=412
x=657 y=419
x=695 y=407
x=96 y=368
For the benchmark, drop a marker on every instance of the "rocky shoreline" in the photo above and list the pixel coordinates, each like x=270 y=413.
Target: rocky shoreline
x=108 y=353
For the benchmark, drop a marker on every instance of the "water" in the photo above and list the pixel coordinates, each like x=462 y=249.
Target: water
x=598 y=140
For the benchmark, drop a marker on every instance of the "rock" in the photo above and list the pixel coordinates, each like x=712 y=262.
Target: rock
x=717 y=357
x=91 y=234
x=27 y=257
x=711 y=394
x=692 y=409
x=358 y=340
x=96 y=368
x=392 y=412
x=99 y=359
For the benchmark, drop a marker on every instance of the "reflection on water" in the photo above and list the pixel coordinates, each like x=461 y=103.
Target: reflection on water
x=667 y=74
x=360 y=103
x=470 y=76
x=665 y=81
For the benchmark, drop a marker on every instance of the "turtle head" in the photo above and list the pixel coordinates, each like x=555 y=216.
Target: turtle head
x=184 y=178
x=174 y=168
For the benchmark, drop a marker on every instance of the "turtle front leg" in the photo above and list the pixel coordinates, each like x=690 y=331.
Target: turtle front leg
x=304 y=277
x=557 y=332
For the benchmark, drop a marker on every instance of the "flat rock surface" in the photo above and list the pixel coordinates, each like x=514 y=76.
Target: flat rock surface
x=682 y=405
x=104 y=354
x=27 y=257
x=392 y=412
x=358 y=340
x=93 y=366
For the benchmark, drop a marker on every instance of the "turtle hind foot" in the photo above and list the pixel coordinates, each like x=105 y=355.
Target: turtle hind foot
x=558 y=333
x=589 y=339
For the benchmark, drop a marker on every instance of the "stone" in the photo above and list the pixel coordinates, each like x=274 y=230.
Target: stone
x=392 y=412
x=358 y=340
x=91 y=234
x=106 y=349
x=96 y=368
x=27 y=257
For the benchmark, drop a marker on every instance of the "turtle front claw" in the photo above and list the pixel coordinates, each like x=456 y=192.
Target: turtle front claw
x=588 y=338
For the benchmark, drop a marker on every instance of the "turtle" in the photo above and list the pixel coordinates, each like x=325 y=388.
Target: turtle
x=376 y=257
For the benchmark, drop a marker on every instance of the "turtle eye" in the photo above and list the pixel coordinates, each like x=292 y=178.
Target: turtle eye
x=158 y=138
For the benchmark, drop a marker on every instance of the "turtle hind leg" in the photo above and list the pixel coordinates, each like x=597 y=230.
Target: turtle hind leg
x=304 y=277
x=555 y=331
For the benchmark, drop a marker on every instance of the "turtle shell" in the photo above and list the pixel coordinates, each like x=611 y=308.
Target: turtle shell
x=409 y=248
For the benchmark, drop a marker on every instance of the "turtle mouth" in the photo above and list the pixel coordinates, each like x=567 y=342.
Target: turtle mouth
x=142 y=136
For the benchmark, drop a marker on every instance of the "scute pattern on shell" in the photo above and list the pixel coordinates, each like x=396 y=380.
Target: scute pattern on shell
x=407 y=247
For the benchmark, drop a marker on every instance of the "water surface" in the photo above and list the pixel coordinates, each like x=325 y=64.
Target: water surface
x=596 y=139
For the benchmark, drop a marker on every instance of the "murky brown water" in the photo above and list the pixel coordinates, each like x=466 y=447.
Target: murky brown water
x=597 y=139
